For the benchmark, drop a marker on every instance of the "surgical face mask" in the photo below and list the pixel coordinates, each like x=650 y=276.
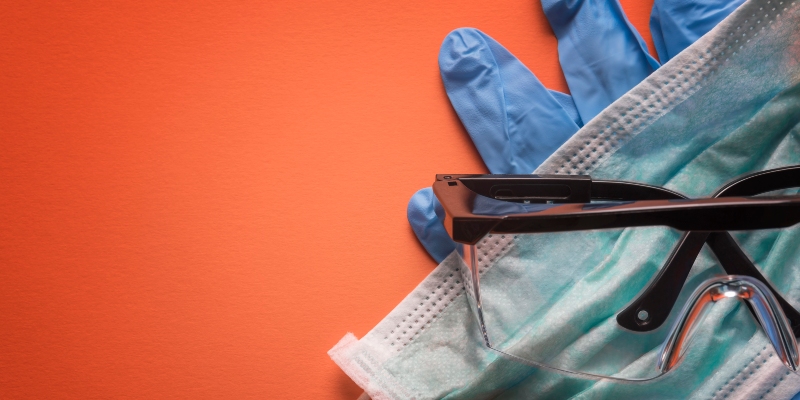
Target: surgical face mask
x=726 y=106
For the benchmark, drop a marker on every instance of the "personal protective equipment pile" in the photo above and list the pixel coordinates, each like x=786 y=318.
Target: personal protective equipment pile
x=727 y=105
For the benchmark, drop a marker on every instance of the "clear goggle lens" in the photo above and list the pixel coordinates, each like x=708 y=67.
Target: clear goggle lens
x=551 y=300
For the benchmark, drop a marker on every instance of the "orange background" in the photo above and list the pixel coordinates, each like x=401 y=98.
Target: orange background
x=199 y=200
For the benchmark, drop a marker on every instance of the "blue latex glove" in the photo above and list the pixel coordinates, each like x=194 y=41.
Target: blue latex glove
x=515 y=122
x=676 y=24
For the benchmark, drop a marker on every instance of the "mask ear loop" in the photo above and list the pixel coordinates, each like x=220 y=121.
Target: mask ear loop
x=768 y=312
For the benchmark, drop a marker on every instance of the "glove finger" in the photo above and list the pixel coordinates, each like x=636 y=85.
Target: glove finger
x=601 y=53
x=676 y=24
x=426 y=216
x=514 y=121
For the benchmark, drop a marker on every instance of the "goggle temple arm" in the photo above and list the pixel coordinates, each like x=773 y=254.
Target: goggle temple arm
x=661 y=294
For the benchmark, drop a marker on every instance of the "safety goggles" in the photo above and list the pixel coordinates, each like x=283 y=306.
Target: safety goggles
x=564 y=313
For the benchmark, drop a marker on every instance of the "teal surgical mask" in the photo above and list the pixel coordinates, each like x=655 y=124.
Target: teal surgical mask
x=726 y=106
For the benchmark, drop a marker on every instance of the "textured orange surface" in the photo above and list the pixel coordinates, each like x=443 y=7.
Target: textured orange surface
x=199 y=199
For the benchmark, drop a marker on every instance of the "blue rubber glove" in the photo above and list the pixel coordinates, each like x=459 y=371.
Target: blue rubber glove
x=675 y=24
x=515 y=122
